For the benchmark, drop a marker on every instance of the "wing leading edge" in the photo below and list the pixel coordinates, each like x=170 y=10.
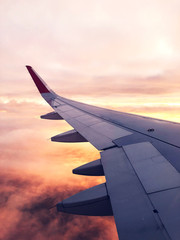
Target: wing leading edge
x=141 y=168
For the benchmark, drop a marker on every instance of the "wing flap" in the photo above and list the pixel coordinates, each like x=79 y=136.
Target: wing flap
x=133 y=211
x=153 y=170
x=167 y=204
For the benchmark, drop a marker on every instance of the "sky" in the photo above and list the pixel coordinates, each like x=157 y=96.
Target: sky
x=123 y=55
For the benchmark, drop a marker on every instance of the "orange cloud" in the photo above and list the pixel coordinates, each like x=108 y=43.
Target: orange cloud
x=123 y=56
x=25 y=213
x=37 y=174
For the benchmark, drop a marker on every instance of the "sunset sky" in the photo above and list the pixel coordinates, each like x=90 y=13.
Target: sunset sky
x=123 y=55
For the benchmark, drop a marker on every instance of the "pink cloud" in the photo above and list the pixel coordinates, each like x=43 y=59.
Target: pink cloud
x=25 y=213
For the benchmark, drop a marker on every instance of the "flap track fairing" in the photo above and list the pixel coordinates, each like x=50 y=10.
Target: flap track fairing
x=92 y=202
x=52 y=116
x=69 y=136
x=93 y=168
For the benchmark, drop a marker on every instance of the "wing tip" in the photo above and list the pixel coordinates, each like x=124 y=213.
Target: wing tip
x=42 y=87
x=28 y=66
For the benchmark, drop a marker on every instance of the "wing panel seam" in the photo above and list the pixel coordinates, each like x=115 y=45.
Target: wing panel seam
x=120 y=125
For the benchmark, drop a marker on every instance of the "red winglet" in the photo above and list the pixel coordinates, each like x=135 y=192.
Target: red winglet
x=37 y=80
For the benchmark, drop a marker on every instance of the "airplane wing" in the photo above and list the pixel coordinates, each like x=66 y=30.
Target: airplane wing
x=140 y=159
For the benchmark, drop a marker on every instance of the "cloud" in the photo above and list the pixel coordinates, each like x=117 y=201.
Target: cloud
x=36 y=174
x=119 y=54
x=27 y=198
x=87 y=39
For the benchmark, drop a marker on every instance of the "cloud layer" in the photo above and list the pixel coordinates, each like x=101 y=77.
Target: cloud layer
x=25 y=213
x=36 y=174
